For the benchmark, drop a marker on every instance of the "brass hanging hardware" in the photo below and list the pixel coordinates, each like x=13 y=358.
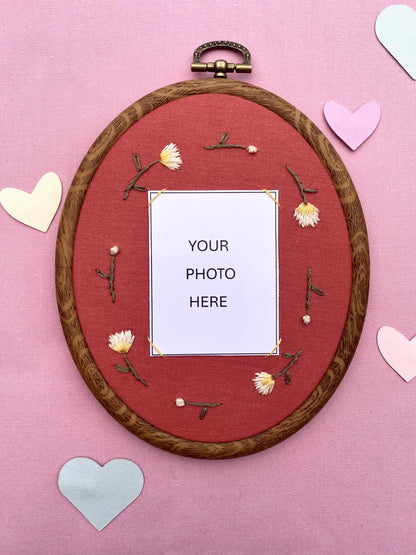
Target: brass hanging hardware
x=220 y=68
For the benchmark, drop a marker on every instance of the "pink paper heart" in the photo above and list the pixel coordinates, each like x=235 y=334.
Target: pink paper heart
x=398 y=352
x=352 y=127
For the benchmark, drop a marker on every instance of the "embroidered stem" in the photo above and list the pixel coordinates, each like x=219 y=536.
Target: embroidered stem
x=299 y=184
x=121 y=343
x=251 y=149
x=307 y=319
x=132 y=370
x=132 y=183
x=291 y=363
x=113 y=252
x=306 y=213
x=204 y=406
x=111 y=279
x=212 y=147
x=265 y=382
x=170 y=157
x=286 y=369
x=308 y=293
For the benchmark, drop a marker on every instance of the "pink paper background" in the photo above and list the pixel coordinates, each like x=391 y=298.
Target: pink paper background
x=345 y=482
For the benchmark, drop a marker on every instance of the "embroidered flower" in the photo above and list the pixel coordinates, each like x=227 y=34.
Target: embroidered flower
x=307 y=214
x=121 y=342
x=251 y=149
x=114 y=250
x=306 y=319
x=180 y=402
x=170 y=157
x=264 y=382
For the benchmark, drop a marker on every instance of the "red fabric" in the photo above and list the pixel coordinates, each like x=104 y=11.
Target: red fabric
x=107 y=219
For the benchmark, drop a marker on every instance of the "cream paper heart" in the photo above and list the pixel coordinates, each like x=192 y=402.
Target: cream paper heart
x=398 y=351
x=100 y=493
x=38 y=208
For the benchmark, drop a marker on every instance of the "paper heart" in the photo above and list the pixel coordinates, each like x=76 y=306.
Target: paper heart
x=35 y=209
x=352 y=127
x=396 y=30
x=398 y=351
x=100 y=493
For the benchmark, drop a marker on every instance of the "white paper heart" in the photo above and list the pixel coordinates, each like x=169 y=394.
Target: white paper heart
x=100 y=493
x=398 y=351
x=36 y=209
x=396 y=30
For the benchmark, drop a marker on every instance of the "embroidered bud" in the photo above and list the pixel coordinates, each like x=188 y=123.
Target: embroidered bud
x=180 y=402
x=251 y=149
x=114 y=250
x=306 y=319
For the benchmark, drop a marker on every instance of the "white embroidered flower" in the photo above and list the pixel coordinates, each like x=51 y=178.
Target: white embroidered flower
x=264 y=382
x=114 y=250
x=251 y=149
x=121 y=342
x=307 y=214
x=171 y=157
x=180 y=402
x=306 y=319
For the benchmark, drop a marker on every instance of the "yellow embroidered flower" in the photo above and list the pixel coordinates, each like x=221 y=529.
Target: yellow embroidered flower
x=264 y=382
x=307 y=214
x=121 y=342
x=171 y=157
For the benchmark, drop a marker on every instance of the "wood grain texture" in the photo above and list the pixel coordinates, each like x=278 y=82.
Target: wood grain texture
x=360 y=270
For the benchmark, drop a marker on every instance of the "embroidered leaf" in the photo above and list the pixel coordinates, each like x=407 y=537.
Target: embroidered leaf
x=137 y=162
x=287 y=355
x=309 y=190
x=288 y=378
x=224 y=139
x=139 y=188
x=203 y=413
x=317 y=291
x=121 y=368
x=102 y=274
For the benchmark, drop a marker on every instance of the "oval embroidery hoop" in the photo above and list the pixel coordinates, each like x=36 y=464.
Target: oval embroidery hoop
x=359 y=250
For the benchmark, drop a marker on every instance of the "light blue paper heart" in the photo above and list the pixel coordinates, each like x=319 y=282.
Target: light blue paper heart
x=100 y=493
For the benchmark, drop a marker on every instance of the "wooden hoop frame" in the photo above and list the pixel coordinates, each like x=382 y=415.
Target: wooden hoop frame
x=360 y=270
